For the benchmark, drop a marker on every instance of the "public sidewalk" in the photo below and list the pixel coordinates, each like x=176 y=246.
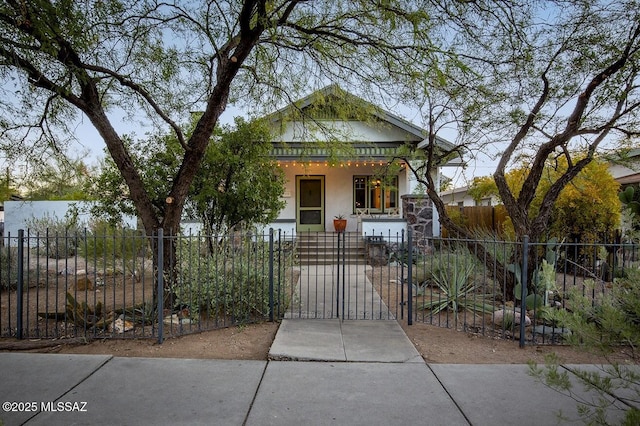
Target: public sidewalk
x=319 y=372
x=145 y=391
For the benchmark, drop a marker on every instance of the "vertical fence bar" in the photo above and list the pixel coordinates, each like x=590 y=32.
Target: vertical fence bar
x=20 y=284
x=160 y=290
x=523 y=293
x=402 y=280
x=337 y=279
x=410 y=278
x=342 y=267
x=271 y=286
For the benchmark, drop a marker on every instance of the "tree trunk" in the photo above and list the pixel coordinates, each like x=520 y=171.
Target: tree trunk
x=497 y=270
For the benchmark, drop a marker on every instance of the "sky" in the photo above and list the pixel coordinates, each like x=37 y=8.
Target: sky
x=90 y=142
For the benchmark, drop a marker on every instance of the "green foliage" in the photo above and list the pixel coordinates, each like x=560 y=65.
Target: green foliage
x=482 y=187
x=235 y=184
x=60 y=238
x=232 y=282
x=400 y=253
x=587 y=206
x=543 y=279
x=157 y=157
x=6 y=188
x=630 y=218
x=58 y=179
x=8 y=268
x=453 y=275
x=629 y=198
x=602 y=322
x=107 y=242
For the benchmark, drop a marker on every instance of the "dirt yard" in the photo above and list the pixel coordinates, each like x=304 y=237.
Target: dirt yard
x=435 y=344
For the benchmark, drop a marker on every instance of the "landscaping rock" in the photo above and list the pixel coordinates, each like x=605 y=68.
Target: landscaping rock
x=171 y=320
x=120 y=326
x=498 y=317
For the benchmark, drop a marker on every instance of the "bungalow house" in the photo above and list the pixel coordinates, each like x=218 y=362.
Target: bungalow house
x=337 y=151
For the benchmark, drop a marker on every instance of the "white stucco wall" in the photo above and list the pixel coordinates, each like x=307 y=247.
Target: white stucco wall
x=390 y=230
x=338 y=189
x=18 y=213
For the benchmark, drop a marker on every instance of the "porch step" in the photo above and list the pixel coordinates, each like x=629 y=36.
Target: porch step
x=321 y=248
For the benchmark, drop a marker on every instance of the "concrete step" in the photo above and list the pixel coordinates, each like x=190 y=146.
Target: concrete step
x=322 y=247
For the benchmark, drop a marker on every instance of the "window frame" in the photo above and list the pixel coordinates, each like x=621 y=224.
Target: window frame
x=386 y=189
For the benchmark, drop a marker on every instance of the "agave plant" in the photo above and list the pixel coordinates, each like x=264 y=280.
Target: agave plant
x=454 y=278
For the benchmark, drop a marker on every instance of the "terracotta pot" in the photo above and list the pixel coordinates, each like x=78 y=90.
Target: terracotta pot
x=340 y=224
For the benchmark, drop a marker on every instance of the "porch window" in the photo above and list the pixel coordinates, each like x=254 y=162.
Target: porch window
x=375 y=194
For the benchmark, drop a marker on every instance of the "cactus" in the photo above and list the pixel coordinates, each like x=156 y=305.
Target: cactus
x=543 y=280
x=628 y=197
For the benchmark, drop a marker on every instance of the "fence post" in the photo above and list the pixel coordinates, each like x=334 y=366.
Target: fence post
x=402 y=280
x=271 y=274
x=160 y=289
x=337 y=279
x=20 y=284
x=523 y=292
x=410 y=278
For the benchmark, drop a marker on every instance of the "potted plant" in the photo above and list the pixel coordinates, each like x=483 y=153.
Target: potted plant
x=339 y=223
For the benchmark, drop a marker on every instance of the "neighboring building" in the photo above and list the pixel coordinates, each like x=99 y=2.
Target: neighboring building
x=339 y=166
x=460 y=197
x=627 y=171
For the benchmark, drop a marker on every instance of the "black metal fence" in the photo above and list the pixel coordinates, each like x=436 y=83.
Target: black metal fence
x=126 y=284
x=516 y=290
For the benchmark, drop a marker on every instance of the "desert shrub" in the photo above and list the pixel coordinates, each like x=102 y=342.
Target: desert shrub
x=60 y=238
x=8 y=269
x=231 y=282
x=104 y=241
x=602 y=323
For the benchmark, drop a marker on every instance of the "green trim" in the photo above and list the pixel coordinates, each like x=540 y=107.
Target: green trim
x=297 y=153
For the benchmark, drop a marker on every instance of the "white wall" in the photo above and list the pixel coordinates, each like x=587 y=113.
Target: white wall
x=389 y=228
x=338 y=188
x=322 y=130
x=18 y=213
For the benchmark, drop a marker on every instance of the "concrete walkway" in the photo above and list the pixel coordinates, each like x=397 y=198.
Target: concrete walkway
x=321 y=290
x=363 y=372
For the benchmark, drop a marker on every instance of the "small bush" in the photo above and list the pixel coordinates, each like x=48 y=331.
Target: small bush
x=231 y=283
x=8 y=269
x=453 y=273
x=602 y=323
x=107 y=241
x=60 y=238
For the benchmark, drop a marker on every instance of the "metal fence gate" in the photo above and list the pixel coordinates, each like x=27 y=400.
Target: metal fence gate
x=337 y=279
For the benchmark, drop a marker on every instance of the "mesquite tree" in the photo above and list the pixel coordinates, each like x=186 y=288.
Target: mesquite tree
x=159 y=61
x=537 y=82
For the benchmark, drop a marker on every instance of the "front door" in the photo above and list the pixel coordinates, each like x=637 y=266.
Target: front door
x=310 y=203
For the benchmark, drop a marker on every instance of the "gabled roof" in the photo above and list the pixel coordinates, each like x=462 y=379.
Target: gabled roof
x=379 y=150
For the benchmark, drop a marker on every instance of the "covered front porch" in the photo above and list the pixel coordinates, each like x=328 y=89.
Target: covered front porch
x=317 y=192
